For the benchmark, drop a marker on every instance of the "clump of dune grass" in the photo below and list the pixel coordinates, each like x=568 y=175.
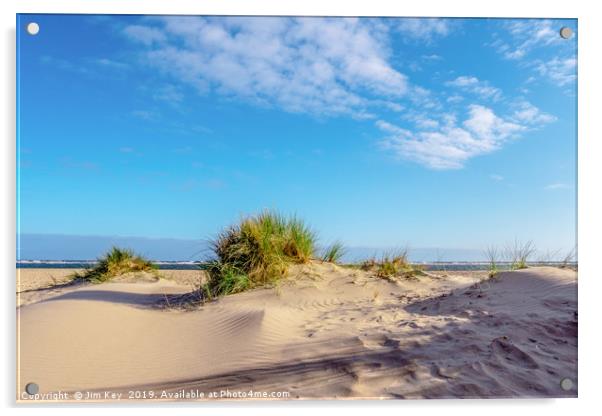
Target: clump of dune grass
x=518 y=254
x=392 y=265
x=334 y=252
x=257 y=251
x=225 y=279
x=368 y=264
x=114 y=263
x=492 y=254
x=568 y=259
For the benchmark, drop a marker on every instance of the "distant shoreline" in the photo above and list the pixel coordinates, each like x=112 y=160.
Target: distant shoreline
x=188 y=265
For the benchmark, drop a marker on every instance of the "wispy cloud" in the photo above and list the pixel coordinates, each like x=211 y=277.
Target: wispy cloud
x=452 y=145
x=432 y=57
x=454 y=99
x=556 y=186
x=90 y=67
x=145 y=34
x=110 y=63
x=322 y=66
x=145 y=115
x=171 y=94
x=560 y=71
x=496 y=177
x=334 y=67
x=425 y=29
x=64 y=64
x=529 y=114
x=475 y=86
x=86 y=165
x=537 y=44
x=421 y=120
x=525 y=36
x=438 y=141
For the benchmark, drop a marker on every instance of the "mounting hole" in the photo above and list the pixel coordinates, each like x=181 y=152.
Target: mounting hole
x=566 y=384
x=566 y=32
x=33 y=28
x=32 y=388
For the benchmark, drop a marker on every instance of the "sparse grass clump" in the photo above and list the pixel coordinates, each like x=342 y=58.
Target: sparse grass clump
x=392 y=265
x=492 y=255
x=257 y=251
x=368 y=264
x=519 y=253
x=115 y=263
x=569 y=258
x=334 y=252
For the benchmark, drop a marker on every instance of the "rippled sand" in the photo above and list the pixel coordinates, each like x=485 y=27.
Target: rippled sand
x=325 y=332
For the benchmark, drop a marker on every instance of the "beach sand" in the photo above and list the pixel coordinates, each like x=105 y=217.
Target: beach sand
x=325 y=332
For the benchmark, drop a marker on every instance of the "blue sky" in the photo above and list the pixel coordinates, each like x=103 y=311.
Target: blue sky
x=447 y=133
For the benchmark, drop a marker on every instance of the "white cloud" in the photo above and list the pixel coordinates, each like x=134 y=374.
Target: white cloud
x=476 y=86
x=559 y=71
x=89 y=67
x=454 y=99
x=390 y=128
x=421 y=120
x=109 y=63
x=451 y=146
x=330 y=67
x=144 y=34
x=496 y=177
x=537 y=44
x=423 y=98
x=424 y=29
x=487 y=126
x=168 y=93
x=529 y=114
x=312 y=65
x=145 y=115
x=527 y=35
x=432 y=57
x=396 y=107
x=556 y=186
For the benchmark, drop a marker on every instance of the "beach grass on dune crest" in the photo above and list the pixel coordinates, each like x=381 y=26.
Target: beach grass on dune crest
x=392 y=265
x=114 y=263
x=257 y=251
x=334 y=252
x=519 y=253
x=492 y=254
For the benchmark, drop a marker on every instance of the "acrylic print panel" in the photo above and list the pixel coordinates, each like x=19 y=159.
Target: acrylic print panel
x=282 y=208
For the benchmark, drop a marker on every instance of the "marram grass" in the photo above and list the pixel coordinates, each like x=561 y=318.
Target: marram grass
x=334 y=252
x=114 y=263
x=392 y=265
x=257 y=251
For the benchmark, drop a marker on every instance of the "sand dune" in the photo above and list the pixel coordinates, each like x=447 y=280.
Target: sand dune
x=326 y=332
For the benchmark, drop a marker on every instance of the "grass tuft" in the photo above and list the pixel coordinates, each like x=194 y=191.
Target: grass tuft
x=114 y=263
x=392 y=265
x=492 y=254
x=518 y=254
x=334 y=252
x=569 y=258
x=257 y=251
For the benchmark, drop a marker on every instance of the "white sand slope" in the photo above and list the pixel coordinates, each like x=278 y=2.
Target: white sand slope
x=326 y=332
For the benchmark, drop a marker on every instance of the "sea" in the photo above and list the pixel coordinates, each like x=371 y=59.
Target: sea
x=195 y=265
